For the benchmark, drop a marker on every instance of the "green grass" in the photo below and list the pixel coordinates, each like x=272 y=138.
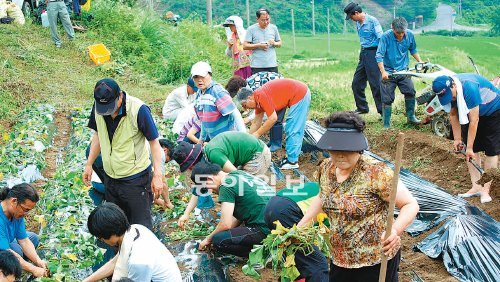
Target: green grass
x=31 y=69
x=331 y=82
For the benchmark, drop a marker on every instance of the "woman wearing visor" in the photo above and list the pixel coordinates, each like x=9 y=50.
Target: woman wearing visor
x=355 y=191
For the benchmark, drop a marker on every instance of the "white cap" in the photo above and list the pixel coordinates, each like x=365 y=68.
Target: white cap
x=201 y=69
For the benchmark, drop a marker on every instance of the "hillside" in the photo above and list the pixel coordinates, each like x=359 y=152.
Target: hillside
x=150 y=58
x=473 y=12
x=280 y=11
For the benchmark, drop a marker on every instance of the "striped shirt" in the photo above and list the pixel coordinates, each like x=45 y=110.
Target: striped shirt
x=214 y=107
x=193 y=122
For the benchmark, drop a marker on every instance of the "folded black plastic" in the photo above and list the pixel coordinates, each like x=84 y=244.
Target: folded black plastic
x=435 y=203
x=469 y=245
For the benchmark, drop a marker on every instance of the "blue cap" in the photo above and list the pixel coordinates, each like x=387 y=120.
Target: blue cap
x=192 y=84
x=442 y=88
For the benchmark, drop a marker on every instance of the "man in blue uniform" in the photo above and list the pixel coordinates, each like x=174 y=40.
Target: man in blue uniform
x=369 y=31
x=392 y=56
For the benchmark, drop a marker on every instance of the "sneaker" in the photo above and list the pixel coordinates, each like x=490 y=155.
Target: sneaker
x=286 y=164
x=358 y=111
x=58 y=45
x=485 y=199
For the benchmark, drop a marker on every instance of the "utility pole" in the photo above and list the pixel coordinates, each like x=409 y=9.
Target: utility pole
x=394 y=11
x=209 y=13
x=328 y=27
x=313 y=21
x=248 y=13
x=293 y=34
x=460 y=7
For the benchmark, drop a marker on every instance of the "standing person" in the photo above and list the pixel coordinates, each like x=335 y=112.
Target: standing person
x=274 y=96
x=213 y=105
x=392 y=56
x=10 y=268
x=235 y=35
x=179 y=99
x=141 y=256
x=243 y=198
x=369 y=31
x=355 y=191
x=474 y=106
x=263 y=38
x=288 y=207
x=56 y=9
x=122 y=124
x=16 y=203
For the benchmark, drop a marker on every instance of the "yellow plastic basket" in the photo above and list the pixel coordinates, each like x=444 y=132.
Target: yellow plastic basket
x=99 y=54
x=86 y=7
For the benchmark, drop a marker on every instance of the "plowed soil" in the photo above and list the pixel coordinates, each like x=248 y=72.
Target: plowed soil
x=432 y=158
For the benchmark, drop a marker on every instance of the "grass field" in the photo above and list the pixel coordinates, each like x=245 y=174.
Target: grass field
x=32 y=69
x=331 y=81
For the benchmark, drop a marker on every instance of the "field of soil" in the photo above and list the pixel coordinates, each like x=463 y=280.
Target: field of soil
x=433 y=159
x=427 y=155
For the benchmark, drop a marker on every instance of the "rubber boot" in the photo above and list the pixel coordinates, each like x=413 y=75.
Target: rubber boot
x=410 y=111
x=386 y=115
x=275 y=137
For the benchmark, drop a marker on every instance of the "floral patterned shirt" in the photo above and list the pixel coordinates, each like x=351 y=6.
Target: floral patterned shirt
x=357 y=210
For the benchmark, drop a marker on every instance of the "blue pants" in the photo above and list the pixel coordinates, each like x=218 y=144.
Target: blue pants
x=367 y=69
x=97 y=193
x=14 y=245
x=388 y=87
x=295 y=125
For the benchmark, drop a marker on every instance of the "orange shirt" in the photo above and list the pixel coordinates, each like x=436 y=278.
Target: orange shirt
x=278 y=94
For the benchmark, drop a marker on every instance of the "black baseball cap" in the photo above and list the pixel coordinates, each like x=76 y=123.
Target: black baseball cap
x=106 y=93
x=343 y=137
x=187 y=155
x=350 y=9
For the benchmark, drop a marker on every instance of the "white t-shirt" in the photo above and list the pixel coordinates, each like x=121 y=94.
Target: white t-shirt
x=143 y=257
x=177 y=100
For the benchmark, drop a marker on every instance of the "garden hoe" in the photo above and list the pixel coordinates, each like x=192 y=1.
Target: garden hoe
x=392 y=202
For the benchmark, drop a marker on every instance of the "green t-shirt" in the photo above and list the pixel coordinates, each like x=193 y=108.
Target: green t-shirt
x=237 y=147
x=250 y=195
x=303 y=196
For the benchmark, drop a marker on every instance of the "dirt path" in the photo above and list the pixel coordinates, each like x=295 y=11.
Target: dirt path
x=61 y=139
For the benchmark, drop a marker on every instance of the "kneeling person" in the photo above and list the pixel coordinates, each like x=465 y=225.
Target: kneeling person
x=141 y=256
x=289 y=206
x=243 y=198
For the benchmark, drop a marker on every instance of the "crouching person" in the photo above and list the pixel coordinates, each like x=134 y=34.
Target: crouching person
x=288 y=207
x=141 y=256
x=16 y=203
x=243 y=198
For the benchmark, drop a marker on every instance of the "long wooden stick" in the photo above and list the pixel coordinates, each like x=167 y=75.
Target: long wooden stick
x=392 y=202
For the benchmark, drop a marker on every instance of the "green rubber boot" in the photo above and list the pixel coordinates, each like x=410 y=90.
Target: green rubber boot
x=410 y=111
x=386 y=115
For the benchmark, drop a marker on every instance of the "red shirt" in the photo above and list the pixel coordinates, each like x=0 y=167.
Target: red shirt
x=278 y=94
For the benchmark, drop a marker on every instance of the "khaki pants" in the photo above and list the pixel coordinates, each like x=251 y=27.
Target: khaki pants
x=57 y=10
x=260 y=162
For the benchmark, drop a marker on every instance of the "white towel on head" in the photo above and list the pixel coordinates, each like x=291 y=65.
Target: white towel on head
x=463 y=111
